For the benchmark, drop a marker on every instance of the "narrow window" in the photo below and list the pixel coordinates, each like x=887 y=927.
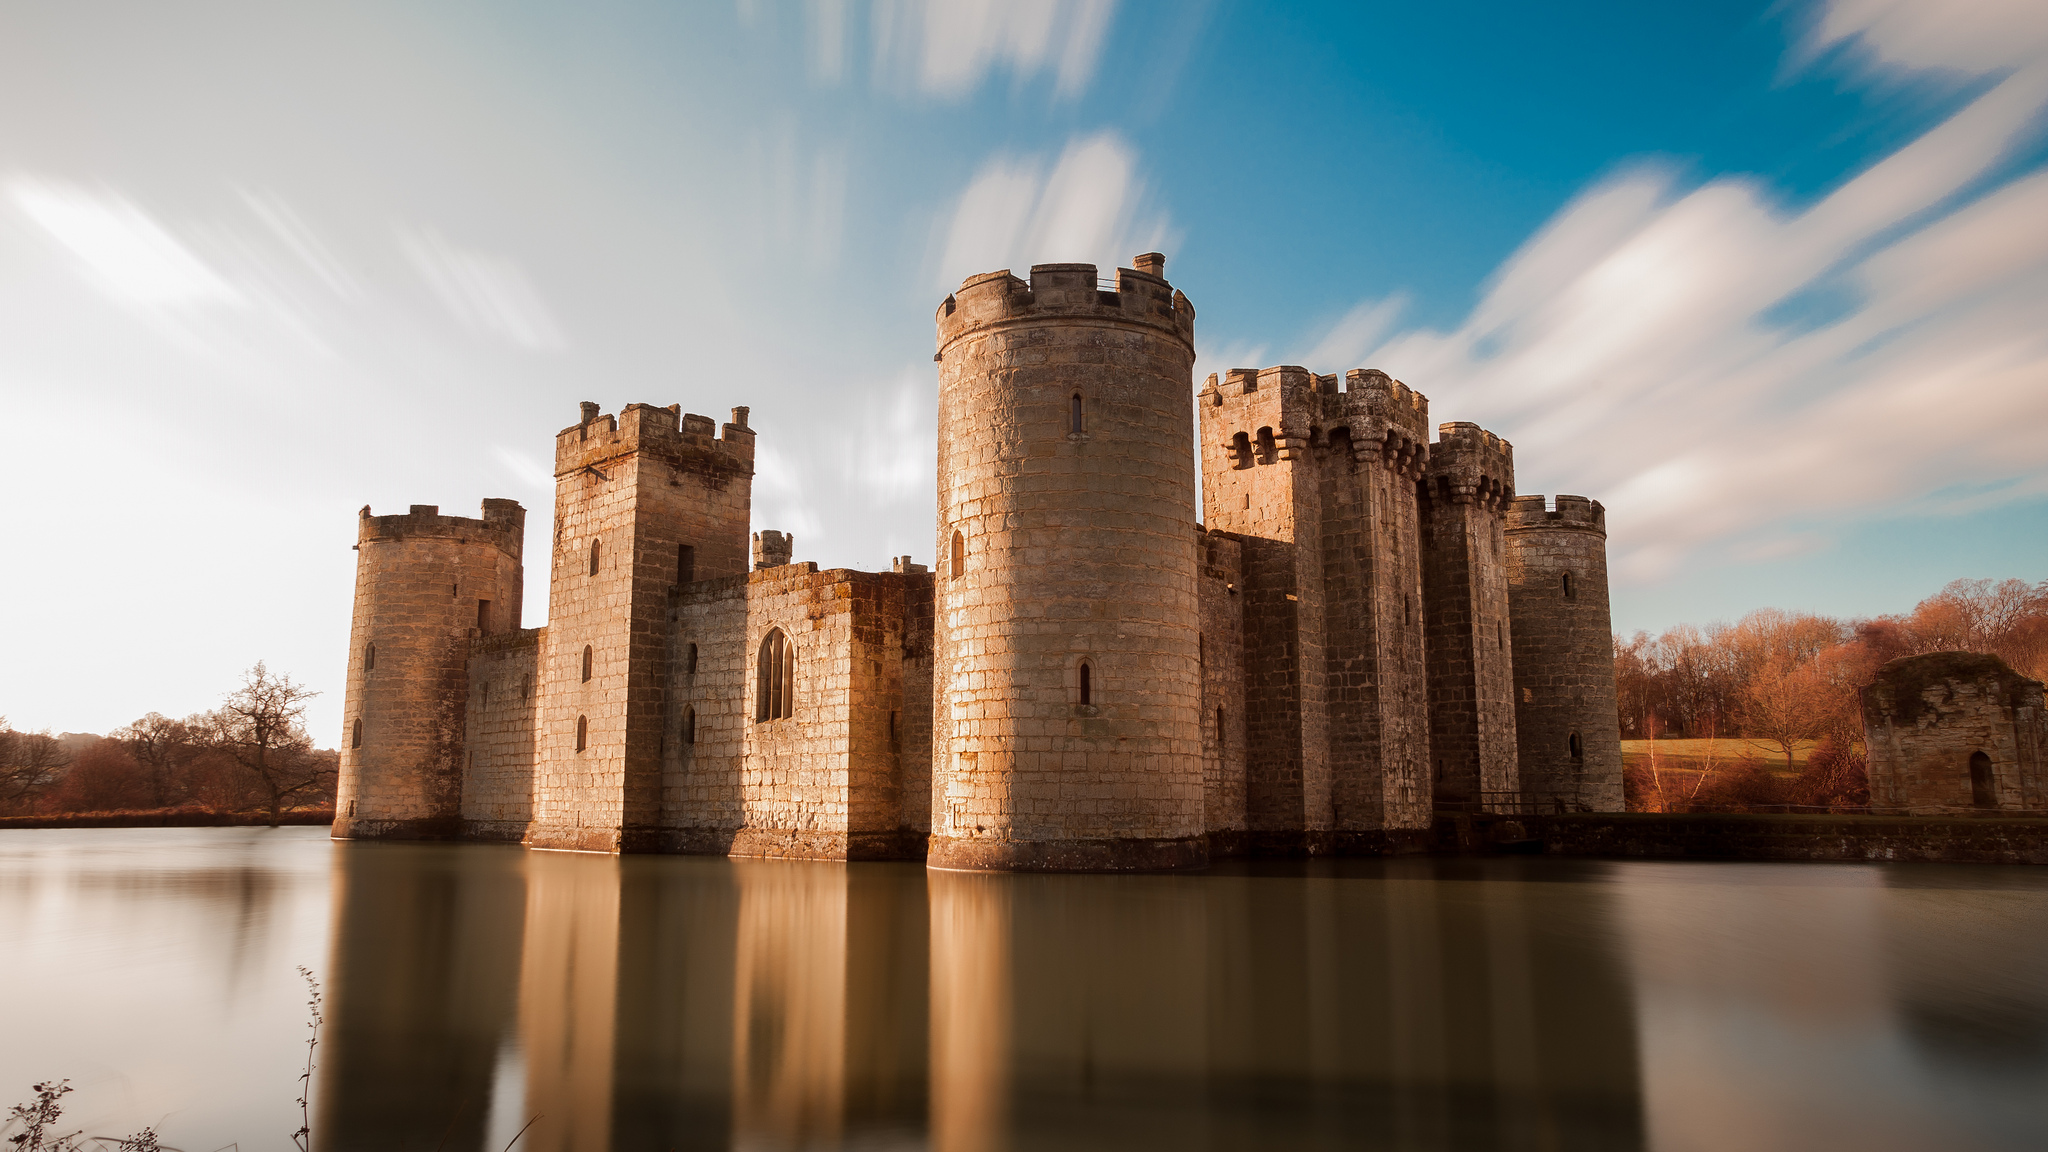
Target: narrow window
x=526 y=686
x=690 y=661
x=959 y=562
x=690 y=726
x=1201 y=651
x=775 y=678
x=892 y=732
x=686 y=563
x=1983 y=790
x=582 y=732
x=593 y=557
x=1500 y=636
x=487 y=693
x=369 y=657
x=355 y=733
x=1407 y=609
x=1087 y=691
x=1220 y=729
x=586 y=663
x=1074 y=415
x=483 y=617
x=1568 y=586
x=1578 y=748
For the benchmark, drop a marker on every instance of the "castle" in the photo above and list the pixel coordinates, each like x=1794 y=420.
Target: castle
x=1370 y=627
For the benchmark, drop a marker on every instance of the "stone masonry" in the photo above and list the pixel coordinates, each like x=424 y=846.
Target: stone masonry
x=1363 y=632
x=1568 y=748
x=1955 y=732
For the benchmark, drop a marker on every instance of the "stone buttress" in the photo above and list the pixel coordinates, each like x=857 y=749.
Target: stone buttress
x=1067 y=684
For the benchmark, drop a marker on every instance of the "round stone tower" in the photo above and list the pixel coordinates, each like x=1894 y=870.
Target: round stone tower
x=1067 y=691
x=1567 y=734
x=427 y=585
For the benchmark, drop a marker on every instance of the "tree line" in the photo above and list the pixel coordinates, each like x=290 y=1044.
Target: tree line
x=1787 y=678
x=250 y=754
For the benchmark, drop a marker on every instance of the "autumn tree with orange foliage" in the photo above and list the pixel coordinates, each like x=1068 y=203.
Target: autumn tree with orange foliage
x=1790 y=678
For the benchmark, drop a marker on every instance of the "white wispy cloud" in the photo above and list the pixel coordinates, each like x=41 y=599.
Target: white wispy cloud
x=125 y=251
x=1090 y=205
x=892 y=457
x=779 y=501
x=947 y=48
x=524 y=468
x=489 y=295
x=1725 y=373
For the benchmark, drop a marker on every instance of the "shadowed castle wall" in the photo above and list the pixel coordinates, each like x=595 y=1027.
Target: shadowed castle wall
x=1258 y=484
x=1470 y=480
x=426 y=585
x=1567 y=734
x=1221 y=599
x=1319 y=482
x=1078 y=547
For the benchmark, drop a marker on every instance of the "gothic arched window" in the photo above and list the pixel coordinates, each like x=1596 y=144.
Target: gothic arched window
x=959 y=558
x=775 y=678
x=582 y=732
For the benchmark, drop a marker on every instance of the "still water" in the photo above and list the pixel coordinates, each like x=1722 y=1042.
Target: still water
x=690 y=1003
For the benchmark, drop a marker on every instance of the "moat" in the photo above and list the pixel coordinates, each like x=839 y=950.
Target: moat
x=699 y=1003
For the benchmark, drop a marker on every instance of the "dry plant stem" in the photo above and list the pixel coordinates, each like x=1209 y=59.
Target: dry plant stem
x=521 y=1132
x=303 y=1138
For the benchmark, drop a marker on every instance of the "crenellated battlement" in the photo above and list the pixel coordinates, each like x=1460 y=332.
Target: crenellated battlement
x=1570 y=512
x=503 y=523
x=1382 y=419
x=1470 y=465
x=678 y=437
x=1140 y=295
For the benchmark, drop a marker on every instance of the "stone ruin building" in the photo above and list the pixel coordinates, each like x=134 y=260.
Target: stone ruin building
x=1371 y=626
x=1955 y=731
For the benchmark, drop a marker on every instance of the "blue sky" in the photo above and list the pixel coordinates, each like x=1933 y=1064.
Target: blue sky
x=1766 y=280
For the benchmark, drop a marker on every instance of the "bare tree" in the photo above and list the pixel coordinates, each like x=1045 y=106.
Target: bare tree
x=163 y=747
x=30 y=763
x=262 y=727
x=1787 y=701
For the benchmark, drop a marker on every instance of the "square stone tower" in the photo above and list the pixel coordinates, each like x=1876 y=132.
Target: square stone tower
x=643 y=501
x=1470 y=483
x=1319 y=482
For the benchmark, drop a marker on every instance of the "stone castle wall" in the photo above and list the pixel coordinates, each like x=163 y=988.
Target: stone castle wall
x=640 y=488
x=1086 y=679
x=1470 y=480
x=1077 y=550
x=1567 y=738
x=426 y=586
x=843 y=776
x=501 y=735
x=1925 y=717
x=1220 y=653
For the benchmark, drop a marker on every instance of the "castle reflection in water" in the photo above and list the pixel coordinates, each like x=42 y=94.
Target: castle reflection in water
x=648 y=1002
